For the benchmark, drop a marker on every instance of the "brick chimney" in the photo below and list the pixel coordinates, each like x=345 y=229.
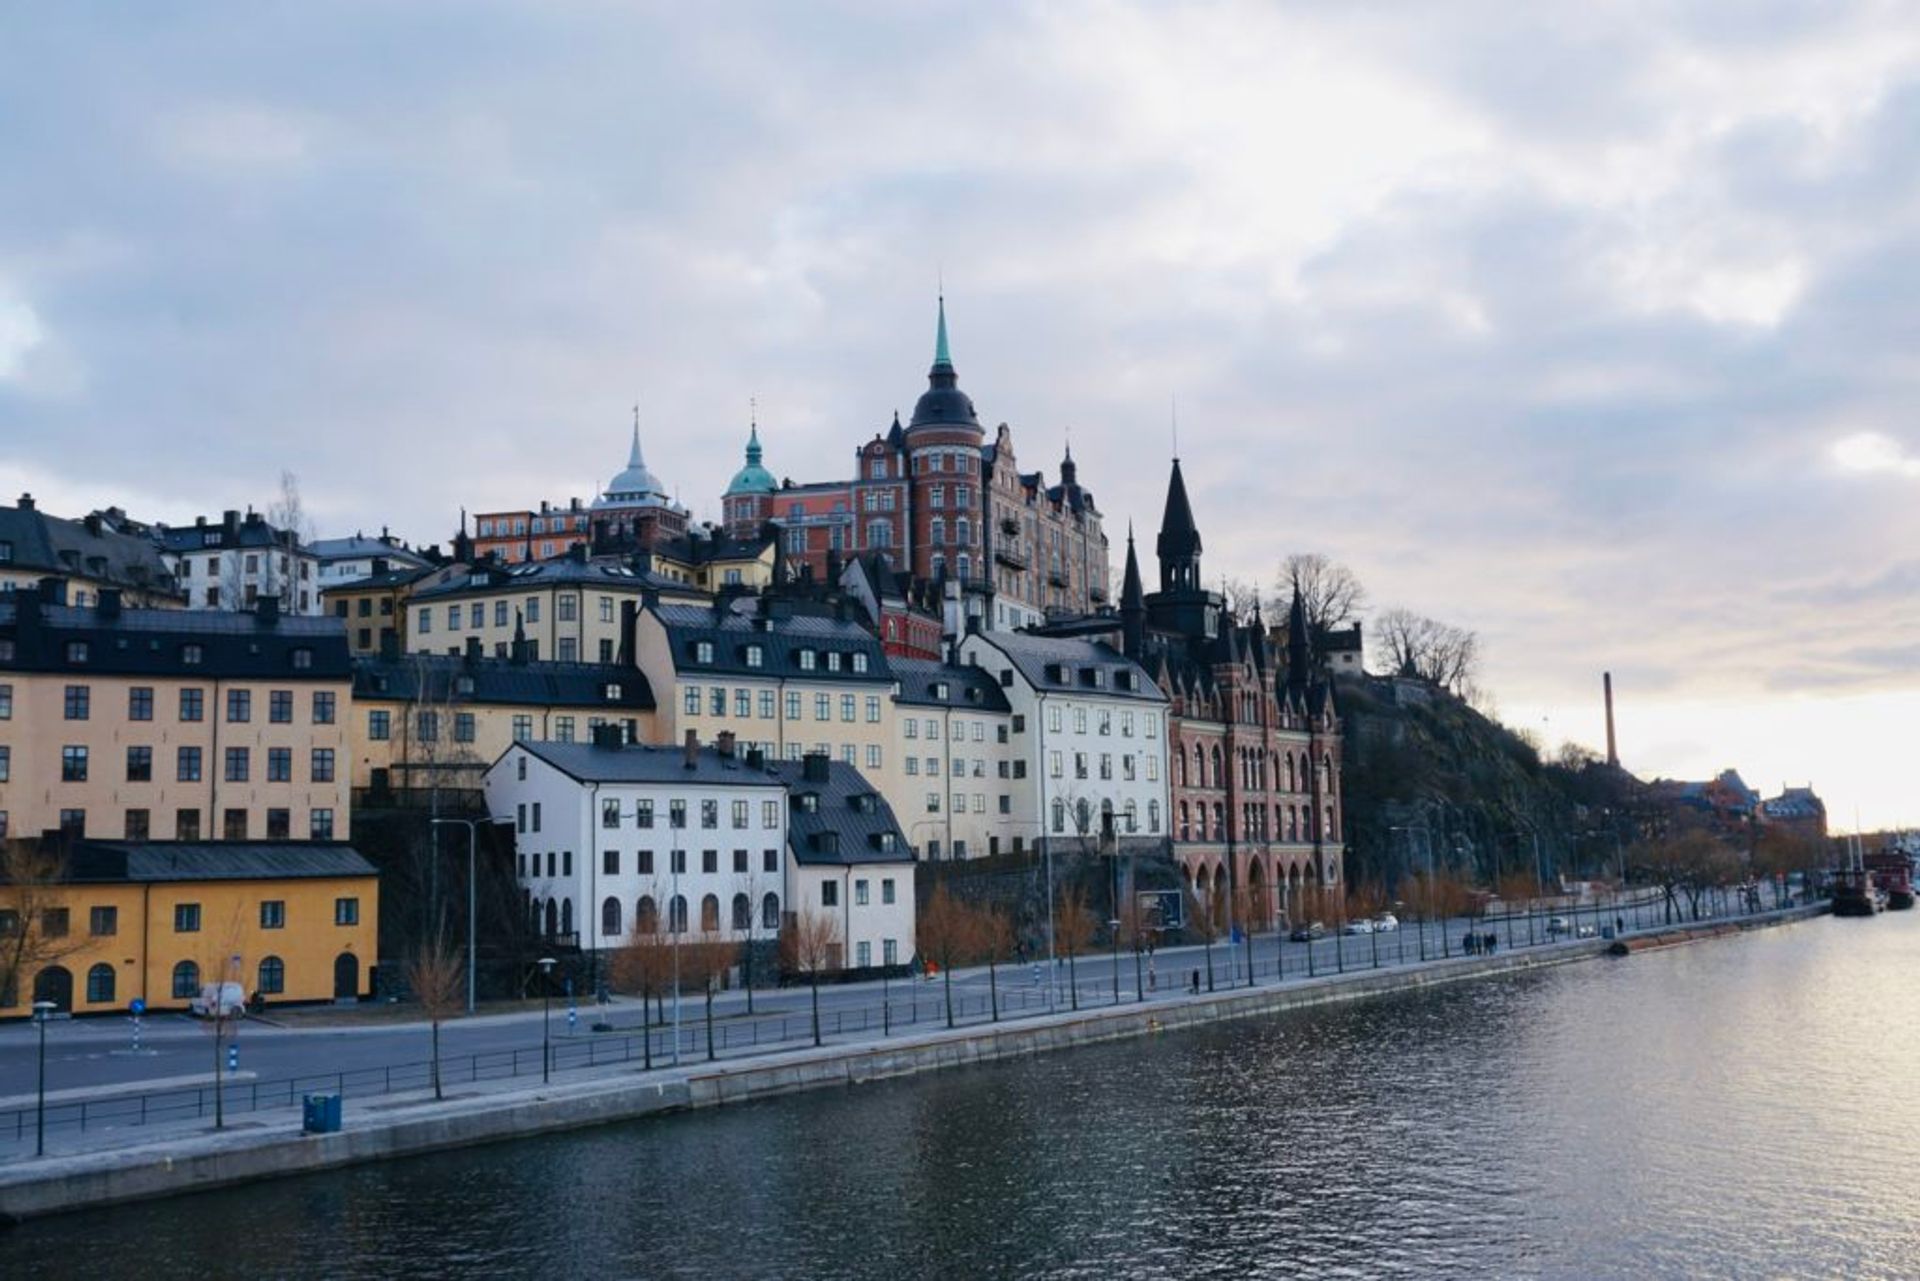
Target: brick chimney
x=693 y=748
x=723 y=743
x=813 y=767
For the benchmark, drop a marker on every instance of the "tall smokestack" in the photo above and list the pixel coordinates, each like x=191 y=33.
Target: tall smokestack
x=1613 y=751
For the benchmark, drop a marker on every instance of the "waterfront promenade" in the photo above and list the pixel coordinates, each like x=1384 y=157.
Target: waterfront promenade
x=131 y=1162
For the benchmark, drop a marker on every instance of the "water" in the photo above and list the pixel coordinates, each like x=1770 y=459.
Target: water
x=1739 y=1108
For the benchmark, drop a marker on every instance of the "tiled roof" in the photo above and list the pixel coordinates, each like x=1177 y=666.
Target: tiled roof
x=501 y=680
x=214 y=860
x=969 y=689
x=848 y=819
x=781 y=641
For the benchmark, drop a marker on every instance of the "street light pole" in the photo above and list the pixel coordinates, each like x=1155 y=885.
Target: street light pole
x=676 y=926
x=41 y=1009
x=546 y=1020
x=472 y=913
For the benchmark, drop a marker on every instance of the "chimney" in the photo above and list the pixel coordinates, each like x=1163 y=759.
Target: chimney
x=53 y=591
x=266 y=609
x=379 y=565
x=813 y=767
x=109 y=606
x=723 y=743
x=693 y=748
x=607 y=737
x=230 y=521
x=389 y=645
x=26 y=502
x=473 y=650
x=577 y=553
x=756 y=758
x=93 y=523
x=1613 y=753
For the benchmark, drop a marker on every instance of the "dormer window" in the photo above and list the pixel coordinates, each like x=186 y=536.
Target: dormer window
x=190 y=655
x=703 y=651
x=807 y=660
x=302 y=658
x=756 y=656
x=860 y=662
x=885 y=841
x=833 y=660
x=463 y=686
x=76 y=651
x=1099 y=678
x=940 y=691
x=807 y=803
x=612 y=693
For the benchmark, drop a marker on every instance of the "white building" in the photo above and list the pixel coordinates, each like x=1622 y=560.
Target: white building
x=232 y=564
x=350 y=559
x=702 y=840
x=1091 y=726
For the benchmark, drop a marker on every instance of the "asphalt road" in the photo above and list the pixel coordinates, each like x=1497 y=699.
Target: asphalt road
x=84 y=1053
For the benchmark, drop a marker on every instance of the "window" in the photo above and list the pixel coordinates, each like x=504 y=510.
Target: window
x=279 y=764
x=536 y=816
x=186 y=980
x=280 y=707
x=808 y=660
x=103 y=921
x=76 y=651
x=73 y=822
x=99 y=983
x=140 y=703
x=234 y=825
x=743 y=703
x=709 y=814
x=563 y=729
x=53 y=922
x=320 y=822
x=6 y=701
x=677 y=915
x=186 y=918
x=846 y=707
x=691 y=700
x=610 y=916
x=192 y=704
x=499 y=613
x=346 y=911
x=709 y=861
x=273 y=976
x=886 y=889
x=139 y=765
x=379 y=725
x=323 y=704
x=793 y=705
x=822 y=707
x=676 y=814
x=239 y=706
x=322 y=764
x=237 y=765
x=73 y=764
x=533 y=609
x=79 y=701
x=643 y=813
x=933 y=802
x=829 y=894
x=860 y=893
x=873 y=756
x=740 y=813
x=426 y=726
x=522 y=728
x=186 y=825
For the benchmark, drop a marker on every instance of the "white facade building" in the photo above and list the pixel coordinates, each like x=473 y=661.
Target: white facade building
x=232 y=564
x=1092 y=727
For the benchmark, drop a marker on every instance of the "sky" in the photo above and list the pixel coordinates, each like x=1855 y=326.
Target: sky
x=1580 y=326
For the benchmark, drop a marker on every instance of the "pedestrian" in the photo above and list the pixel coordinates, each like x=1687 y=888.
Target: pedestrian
x=1196 y=982
x=1619 y=925
x=1466 y=943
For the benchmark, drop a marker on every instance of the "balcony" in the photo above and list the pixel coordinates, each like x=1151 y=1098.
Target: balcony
x=1058 y=577
x=1011 y=554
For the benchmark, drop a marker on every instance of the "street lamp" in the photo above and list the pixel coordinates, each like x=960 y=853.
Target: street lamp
x=1426 y=841
x=472 y=913
x=41 y=1009
x=546 y=1021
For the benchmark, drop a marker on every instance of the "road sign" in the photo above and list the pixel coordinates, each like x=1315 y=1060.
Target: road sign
x=138 y=1007
x=1162 y=909
x=233 y=1057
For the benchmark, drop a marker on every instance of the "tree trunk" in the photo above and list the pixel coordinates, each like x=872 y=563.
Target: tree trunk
x=1073 y=986
x=993 y=988
x=219 y=1081
x=815 y=985
x=946 y=973
x=710 y=1054
x=436 y=1060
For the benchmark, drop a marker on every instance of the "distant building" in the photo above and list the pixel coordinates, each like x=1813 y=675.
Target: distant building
x=346 y=560
x=100 y=551
x=1797 y=809
x=232 y=564
x=1725 y=800
x=532 y=533
x=156 y=921
x=957 y=767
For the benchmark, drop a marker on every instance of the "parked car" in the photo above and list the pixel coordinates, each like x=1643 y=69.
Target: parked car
x=1308 y=933
x=223 y=1000
x=1386 y=923
x=1361 y=926
x=1558 y=925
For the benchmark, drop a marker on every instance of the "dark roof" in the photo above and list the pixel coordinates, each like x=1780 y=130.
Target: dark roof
x=558 y=571
x=374 y=582
x=847 y=820
x=1049 y=664
x=704 y=549
x=355 y=546
x=500 y=680
x=154 y=641
x=90 y=548
x=645 y=763
x=214 y=860
x=234 y=530
x=1179 y=536
x=970 y=689
x=782 y=640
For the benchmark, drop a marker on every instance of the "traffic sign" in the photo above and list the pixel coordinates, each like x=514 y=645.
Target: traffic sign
x=138 y=1007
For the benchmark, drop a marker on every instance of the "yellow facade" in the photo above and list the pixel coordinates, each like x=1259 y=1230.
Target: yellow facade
x=144 y=950
x=369 y=614
x=753 y=569
x=388 y=742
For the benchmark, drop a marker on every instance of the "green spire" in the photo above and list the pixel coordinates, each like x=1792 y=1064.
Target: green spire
x=753 y=446
x=941 y=357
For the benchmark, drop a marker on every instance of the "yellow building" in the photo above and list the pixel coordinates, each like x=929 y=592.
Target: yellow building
x=374 y=609
x=136 y=724
x=567 y=609
x=713 y=561
x=292 y=921
x=422 y=721
x=786 y=682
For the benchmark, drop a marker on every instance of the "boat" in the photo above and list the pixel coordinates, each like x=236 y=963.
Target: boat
x=1854 y=893
x=1891 y=872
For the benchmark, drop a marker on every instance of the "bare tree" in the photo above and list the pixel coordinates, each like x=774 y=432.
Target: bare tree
x=704 y=962
x=1206 y=916
x=810 y=945
x=34 y=930
x=992 y=937
x=942 y=932
x=1329 y=592
x=1073 y=928
x=1413 y=645
x=1243 y=598
x=644 y=965
x=223 y=965
x=434 y=974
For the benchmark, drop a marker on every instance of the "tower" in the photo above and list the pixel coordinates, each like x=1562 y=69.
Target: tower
x=1179 y=543
x=749 y=498
x=1133 y=605
x=947 y=497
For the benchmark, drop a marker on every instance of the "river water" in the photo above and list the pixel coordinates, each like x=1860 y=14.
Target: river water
x=1739 y=1108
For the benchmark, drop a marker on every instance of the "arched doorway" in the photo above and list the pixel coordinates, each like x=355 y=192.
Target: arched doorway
x=55 y=983
x=346 y=977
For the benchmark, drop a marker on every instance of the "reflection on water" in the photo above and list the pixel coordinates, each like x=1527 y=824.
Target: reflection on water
x=1739 y=1108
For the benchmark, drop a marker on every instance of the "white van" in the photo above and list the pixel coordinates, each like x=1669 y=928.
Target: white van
x=224 y=1000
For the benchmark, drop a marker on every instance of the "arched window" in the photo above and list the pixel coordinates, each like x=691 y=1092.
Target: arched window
x=1199 y=766
x=1180 y=765
x=1292 y=782
x=1132 y=815
x=610 y=917
x=553 y=918
x=1153 y=816
x=566 y=916
x=939 y=531
x=963 y=567
x=1219 y=821
x=677 y=915
x=273 y=976
x=1219 y=772
x=186 y=980
x=879 y=534
x=646 y=915
x=1084 y=815
x=1186 y=828
x=1059 y=815
x=770 y=911
x=742 y=913
x=710 y=914
x=100 y=984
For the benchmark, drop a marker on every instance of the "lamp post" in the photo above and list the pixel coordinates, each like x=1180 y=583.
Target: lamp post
x=546 y=1024
x=1426 y=841
x=41 y=1009
x=676 y=925
x=472 y=913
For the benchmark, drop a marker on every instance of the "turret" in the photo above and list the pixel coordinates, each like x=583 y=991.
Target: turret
x=1179 y=542
x=1133 y=604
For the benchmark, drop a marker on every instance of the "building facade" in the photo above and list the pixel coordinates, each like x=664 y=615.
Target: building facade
x=232 y=564
x=137 y=724
x=956 y=766
x=88 y=555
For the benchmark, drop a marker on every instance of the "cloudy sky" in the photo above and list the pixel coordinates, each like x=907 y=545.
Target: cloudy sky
x=1590 y=327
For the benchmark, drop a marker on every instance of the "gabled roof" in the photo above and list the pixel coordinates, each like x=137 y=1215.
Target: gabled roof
x=846 y=822
x=781 y=642
x=142 y=861
x=89 y=548
x=1053 y=665
x=646 y=763
x=967 y=688
x=455 y=679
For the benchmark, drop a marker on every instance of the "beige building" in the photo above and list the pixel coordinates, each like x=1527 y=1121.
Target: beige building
x=567 y=609
x=139 y=724
x=786 y=683
x=956 y=776
x=422 y=721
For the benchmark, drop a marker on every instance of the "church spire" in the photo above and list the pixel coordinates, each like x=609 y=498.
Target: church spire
x=1133 y=603
x=633 y=456
x=1179 y=542
x=942 y=358
x=1299 y=643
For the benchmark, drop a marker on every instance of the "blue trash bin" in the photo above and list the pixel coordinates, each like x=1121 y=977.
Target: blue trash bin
x=321 y=1114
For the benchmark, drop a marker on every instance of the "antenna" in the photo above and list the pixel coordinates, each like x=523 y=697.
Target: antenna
x=1173 y=413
